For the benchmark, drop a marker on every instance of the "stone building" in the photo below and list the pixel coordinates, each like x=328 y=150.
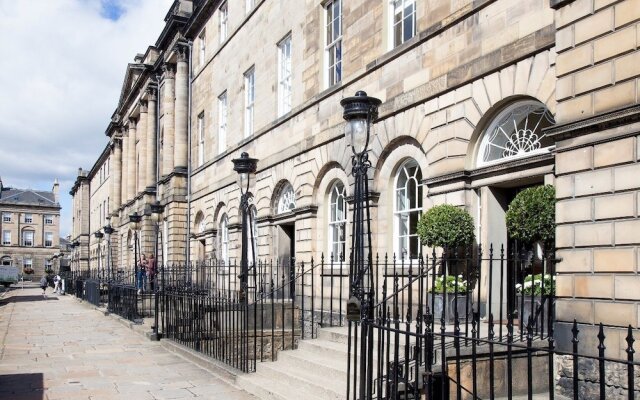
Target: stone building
x=480 y=99
x=30 y=227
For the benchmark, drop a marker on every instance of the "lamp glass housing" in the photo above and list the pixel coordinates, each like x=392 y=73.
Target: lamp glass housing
x=357 y=135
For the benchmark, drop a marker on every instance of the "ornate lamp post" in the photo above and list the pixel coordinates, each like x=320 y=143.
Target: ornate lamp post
x=135 y=219
x=76 y=245
x=360 y=111
x=245 y=166
x=155 y=210
x=99 y=235
x=108 y=231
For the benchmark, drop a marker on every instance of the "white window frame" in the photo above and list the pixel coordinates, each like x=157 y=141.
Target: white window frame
x=28 y=218
x=48 y=219
x=202 y=38
x=249 y=100
x=201 y=143
x=27 y=263
x=6 y=238
x=48 y=239
x=222 y=122
x=224 y=239
x=6 y=217
x=398 y=7
x=223 y=21
x=25 y=243
x=333 y=43
x=398 y=213
x=337 y=195
x=249 y=6
x=284 y=76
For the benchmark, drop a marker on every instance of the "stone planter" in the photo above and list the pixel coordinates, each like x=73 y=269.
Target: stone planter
x=537 y=300
x=448 y=303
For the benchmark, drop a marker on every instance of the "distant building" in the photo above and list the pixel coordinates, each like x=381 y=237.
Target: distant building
x=29 y=228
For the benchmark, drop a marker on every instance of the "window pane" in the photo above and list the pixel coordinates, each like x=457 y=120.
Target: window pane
x=412 y=193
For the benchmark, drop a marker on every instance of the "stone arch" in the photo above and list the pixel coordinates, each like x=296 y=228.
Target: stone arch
x=221 y=208
x=199 y=222
x=329 y=173
x=394 y=155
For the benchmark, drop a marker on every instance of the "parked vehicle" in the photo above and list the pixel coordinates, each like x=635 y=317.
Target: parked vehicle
x=8 y=275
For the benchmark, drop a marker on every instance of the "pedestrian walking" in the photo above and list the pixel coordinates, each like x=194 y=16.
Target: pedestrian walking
x=56 y=284
x=43 y=285
x=142 y=273
x=151 y=271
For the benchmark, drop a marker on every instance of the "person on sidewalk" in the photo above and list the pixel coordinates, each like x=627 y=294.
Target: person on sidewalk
x=151 y=271
x=142 y=273
x=43 y=285
x=56 y=284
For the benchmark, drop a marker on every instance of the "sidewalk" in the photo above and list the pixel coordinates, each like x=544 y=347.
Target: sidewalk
x=57 y=348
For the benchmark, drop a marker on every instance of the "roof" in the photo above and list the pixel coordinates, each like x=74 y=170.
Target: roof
x=11 y=196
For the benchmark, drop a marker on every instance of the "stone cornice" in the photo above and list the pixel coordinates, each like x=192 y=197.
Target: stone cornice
x=467 y=176
x=593 y=124
x=305 y=211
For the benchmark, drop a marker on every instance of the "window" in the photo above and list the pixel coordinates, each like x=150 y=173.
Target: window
x=224 y=239
x=48 y=219
x=284 y=76
x=250 y=5
x=252 y=234
x=333 y=42
x=403 y=21
x=6 y=217
x=287 y=199
x=516 y=132
x=48 y=239
x=337 y=221
x=201 y=139
x=222 y=122
x=408 y=207
x=27 y=263
x=48 y=265
x=27 y=238
x=28 y=218
x=249 y=100
x=203 y=48
x=6 y=238
x=223 y=16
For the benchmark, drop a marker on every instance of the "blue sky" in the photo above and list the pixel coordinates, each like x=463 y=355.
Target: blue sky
x=61 y=82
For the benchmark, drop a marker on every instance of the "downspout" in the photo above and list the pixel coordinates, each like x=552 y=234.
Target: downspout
x=190 y=44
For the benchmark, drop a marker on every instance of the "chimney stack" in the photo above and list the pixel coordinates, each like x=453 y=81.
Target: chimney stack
x=56 y=191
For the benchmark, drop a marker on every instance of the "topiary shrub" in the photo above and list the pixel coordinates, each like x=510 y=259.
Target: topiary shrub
x=446 y=226
x=531 y=216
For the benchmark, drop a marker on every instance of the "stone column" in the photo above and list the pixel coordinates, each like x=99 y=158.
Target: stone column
x=131 y=161
x=168 y=122
x=151 y=139
x=116 y=175
x=182 y=98
x=141 y=147
x=124 y=183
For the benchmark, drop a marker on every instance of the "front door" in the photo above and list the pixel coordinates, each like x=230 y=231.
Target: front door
x=286 y=257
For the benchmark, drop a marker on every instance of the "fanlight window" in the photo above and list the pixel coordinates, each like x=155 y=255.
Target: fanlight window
x=516 y=132
x=287 y=200
x=408 y=207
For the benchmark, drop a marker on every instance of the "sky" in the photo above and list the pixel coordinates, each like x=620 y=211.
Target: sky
x=61 y=72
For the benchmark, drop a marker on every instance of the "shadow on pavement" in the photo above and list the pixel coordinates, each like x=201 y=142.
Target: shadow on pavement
x=22 y=386
x=22 y=299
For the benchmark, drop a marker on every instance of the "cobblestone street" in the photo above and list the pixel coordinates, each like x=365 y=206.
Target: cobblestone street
x=56 y=348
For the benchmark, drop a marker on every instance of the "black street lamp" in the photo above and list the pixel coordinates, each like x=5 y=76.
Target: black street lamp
x=135 y=219
x=76 y=245
x=99 y=235
x=108 y=231
x=245 y=166
x=360 y=111
x=155 y=210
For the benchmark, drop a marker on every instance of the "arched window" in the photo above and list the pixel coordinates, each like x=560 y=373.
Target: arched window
x=516 y=132
x=337 y=221
x=223 y=233
x=287 y=199
x=407 y=210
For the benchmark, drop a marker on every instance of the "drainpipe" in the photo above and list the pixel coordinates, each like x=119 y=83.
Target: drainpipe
x=190 y=44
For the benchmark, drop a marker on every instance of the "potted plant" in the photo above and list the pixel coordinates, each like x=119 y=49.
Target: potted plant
x=28 y=270
x=531 y=220
x=448 y=227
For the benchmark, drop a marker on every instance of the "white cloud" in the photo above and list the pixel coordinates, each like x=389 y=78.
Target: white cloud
x=61 y=71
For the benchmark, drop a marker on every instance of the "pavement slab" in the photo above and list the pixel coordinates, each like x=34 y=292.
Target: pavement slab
x=58 y=348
